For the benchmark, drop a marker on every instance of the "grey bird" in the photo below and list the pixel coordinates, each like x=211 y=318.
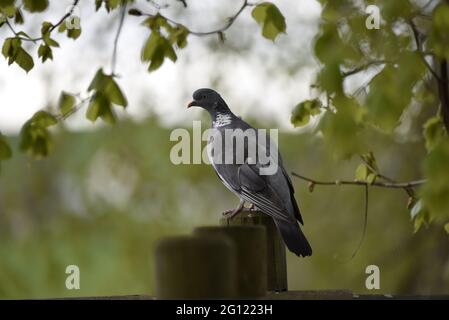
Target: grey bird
x=273 y=194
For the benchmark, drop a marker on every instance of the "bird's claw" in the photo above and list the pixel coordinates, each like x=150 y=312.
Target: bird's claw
x=233 y=212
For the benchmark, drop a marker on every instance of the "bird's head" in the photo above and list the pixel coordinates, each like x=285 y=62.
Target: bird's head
x=209 y=100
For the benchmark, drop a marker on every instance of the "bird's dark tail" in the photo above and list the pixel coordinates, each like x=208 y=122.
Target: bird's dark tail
x=294 y=238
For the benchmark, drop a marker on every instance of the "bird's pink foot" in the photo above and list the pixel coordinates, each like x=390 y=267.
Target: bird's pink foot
x=231 y=213
x=241 y=208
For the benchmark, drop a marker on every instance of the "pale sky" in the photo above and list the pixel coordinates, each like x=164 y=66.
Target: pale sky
x=254 y=80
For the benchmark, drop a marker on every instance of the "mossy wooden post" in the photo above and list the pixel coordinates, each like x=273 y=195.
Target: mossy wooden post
x=276 y=259
x=195 y=267
x=250 y=242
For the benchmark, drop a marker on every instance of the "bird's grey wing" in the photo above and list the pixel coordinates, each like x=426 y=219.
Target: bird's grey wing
x=292 y=194
x=294 y=204
x=259 y=190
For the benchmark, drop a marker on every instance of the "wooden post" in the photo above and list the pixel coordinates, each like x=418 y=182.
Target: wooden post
x=276 y=259
x=250 y=242
x=195 y=267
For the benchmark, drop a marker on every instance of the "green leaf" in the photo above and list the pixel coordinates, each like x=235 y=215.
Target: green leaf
x=109 y=4
x=156 y=22
x=179 y=36
x=98 y=4
x=74 y=33
x=364 y=171
x=112 y=4
x=18 y=17
x=46 y=35
x=371 y=178
x=433 y=132
x=303 y=111
x=35 y=139
x=5 y=149
x=46 y=26
x=330 y=48
x=6 y=48
x=156 y=49
x=108 y=87
x=66 y=103
x=62 y=27
x=391 y=91
x=420 y=215
x=35 y=5
x=10 y=48
x=106 y=92
x=439 y=37
x=21 y=33
x=44 y=119
x=24 y=60
x=370 y=160
x=7 y=8
x=435 y=192
x=331 y=79
x=6 y=3
x=341 y=128
x=13 y=51
x=446 y=227
x=270 y=18
x=114 y=94
x=98 y=81
x=100 y=106
x=45 y=52
x=361 y=173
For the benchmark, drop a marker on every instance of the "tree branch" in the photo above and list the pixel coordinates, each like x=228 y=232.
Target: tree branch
x=394 y=185
x=53 y=27
x=76 y=107
x=365 y=224
x=157 y=5
x=408 y=190
x=363 y=67
x=230 y=22
x=419 y=49
x=443 y=90
x=117 y=36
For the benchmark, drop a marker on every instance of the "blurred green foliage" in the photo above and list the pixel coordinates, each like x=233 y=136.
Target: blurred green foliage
x=403 y=66
x=104 y=198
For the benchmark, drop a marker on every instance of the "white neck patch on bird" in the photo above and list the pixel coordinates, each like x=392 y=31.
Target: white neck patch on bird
x=222 y=119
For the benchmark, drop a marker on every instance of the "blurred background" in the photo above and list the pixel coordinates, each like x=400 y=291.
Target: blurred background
x=106 y=193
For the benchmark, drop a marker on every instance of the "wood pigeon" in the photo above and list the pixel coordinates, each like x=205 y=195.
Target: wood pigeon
x=273 y=192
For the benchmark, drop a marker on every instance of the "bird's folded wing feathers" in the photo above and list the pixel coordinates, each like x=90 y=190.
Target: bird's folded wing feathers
x=255 y=189
x=292 y=196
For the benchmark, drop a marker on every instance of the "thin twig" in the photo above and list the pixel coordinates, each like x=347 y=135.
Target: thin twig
x=396 y=185
x=78 y=106
x=363 y=67
x=420 y=51
x=443 y=91
x=184 y=3
x=365 y=224
x=117 y=36
x=230 y=22
x=53 y=27
x=158 y=6
x=408 y=190
x=424 y=7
